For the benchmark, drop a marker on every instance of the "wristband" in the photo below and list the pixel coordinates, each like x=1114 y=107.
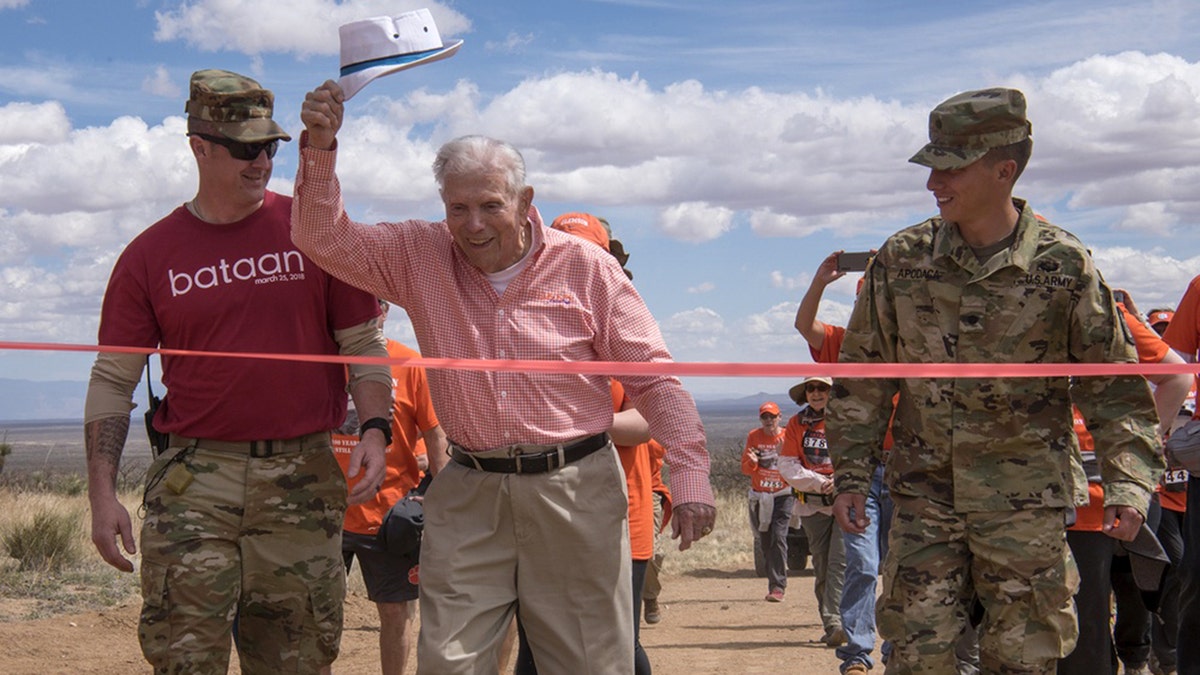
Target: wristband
x=379 y=423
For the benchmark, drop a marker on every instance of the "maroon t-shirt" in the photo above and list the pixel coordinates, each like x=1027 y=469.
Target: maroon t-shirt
x=242 y=287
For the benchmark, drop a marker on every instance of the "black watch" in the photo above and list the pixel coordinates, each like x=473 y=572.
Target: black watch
x=380 y=423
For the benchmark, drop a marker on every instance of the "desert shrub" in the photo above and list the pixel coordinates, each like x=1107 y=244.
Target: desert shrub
x=48 y=540
x=71 y=484
x=131 y=476
x=75 y=582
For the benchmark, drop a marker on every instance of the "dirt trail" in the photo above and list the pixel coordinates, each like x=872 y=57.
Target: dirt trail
x=713 y=622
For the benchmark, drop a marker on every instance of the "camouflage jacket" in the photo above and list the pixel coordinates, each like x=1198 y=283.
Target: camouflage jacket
x=998 y=444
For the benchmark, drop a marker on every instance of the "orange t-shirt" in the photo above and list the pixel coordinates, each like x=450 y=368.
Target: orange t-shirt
x=412 y=414
x=763 y=479
x=1150 y=349
x=635 y=460
x=1183 y=333
x=1088 y=518
x=831 y=346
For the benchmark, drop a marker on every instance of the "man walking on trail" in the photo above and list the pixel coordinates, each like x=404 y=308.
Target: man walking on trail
x=980 y=469
x=243 y=509
x=531 y=514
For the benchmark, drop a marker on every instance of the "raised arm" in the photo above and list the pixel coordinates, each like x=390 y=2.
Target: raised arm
x=322 y=113
x=807 y=324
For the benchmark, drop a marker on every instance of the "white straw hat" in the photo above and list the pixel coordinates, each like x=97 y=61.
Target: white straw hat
x=384 y=45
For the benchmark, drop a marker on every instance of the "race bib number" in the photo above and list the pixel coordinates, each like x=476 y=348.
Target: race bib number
x=1175 y=480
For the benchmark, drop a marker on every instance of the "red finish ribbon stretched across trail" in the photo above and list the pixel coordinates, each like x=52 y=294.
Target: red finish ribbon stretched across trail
x=675 y=368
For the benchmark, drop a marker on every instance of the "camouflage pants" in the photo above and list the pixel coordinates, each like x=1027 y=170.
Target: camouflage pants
x=1016 y=563
x=255 y=538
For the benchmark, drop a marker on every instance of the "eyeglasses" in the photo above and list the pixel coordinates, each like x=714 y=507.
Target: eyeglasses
x=247 y=152
x=815 y=386
x=768 y=416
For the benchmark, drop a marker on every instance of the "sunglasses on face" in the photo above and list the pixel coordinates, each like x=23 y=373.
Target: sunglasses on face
x=767 y=416
x=816 y=387
x=247 y=152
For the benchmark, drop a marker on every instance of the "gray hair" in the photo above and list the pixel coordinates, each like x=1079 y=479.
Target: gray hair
x=479 y=154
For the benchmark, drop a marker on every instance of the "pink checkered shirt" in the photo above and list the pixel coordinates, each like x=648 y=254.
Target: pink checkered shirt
x=571 y=303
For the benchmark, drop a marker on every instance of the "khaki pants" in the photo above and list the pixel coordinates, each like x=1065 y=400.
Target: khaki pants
x=555 y=545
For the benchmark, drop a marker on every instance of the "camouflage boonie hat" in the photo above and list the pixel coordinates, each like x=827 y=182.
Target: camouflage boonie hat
x=233 y=106
x=964 y=127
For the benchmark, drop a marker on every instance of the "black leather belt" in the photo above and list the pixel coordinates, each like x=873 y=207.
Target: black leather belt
x=538 y=462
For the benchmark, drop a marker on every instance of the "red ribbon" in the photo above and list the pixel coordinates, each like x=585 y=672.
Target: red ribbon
x=676 y=368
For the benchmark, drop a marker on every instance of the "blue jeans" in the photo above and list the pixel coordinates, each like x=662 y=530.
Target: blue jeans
x=1187 y=649
x=863 y=553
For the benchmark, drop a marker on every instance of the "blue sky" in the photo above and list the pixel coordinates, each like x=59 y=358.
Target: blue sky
x=731 y=145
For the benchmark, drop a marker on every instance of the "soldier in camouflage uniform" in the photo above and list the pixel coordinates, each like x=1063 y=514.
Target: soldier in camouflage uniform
x=980 y=470
x=244 y=503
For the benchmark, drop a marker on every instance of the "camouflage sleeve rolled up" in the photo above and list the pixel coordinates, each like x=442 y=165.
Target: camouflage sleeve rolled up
x=1119 y=411
x=857 y=417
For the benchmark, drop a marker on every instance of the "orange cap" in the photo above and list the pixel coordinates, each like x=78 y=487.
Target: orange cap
x=583 y=225
x=1160 y=316
x=768 y=407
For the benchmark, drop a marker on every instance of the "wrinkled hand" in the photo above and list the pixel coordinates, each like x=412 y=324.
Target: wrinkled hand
x=846 y=503
x=1122 y=522
x=322 y=113
x=368 y=458
x=111 y=520
x=690 y=522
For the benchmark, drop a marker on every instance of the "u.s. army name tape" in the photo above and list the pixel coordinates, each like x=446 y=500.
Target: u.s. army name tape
x=675 y=368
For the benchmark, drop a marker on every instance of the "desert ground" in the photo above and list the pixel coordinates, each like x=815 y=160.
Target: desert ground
x=714 y=617
x=714 y=621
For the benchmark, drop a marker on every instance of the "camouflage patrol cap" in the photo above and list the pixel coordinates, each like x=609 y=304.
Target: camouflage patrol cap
x=964 y=127
x=232 y=106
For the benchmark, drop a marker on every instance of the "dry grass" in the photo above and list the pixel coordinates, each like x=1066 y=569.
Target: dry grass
x=57 y=584
x=56 y=565
x=729 y=547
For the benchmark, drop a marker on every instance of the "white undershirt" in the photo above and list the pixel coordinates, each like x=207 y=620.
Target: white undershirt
x=500 y=280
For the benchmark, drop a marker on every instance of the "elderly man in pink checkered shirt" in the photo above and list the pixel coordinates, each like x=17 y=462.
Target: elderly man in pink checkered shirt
x=531 y=514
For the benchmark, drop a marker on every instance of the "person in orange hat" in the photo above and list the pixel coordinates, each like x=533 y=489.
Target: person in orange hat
x=771 y=498
x=634 y=446
x=1159 y=319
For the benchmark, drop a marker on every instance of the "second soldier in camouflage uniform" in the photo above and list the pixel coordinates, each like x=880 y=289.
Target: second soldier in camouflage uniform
x=980 y=470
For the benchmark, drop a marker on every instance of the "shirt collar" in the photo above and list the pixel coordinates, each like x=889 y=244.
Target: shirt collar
x=949 y=243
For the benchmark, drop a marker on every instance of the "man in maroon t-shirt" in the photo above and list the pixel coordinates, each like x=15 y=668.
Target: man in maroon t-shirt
x=244 y=505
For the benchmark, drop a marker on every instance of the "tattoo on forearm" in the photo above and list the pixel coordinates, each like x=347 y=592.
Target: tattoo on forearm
x=104 y=440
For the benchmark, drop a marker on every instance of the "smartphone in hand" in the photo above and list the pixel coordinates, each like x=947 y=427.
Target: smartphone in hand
x=854 y=261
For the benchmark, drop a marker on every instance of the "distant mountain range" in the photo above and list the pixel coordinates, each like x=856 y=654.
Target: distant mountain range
x=25 y=400
x=55 y=400
x=744 y=405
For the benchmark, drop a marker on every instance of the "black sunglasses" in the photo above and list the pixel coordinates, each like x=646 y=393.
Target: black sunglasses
x=247 y=152
x=813 y=386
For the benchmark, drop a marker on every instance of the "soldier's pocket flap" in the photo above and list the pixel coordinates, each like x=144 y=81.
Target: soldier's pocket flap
x=154 y=584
